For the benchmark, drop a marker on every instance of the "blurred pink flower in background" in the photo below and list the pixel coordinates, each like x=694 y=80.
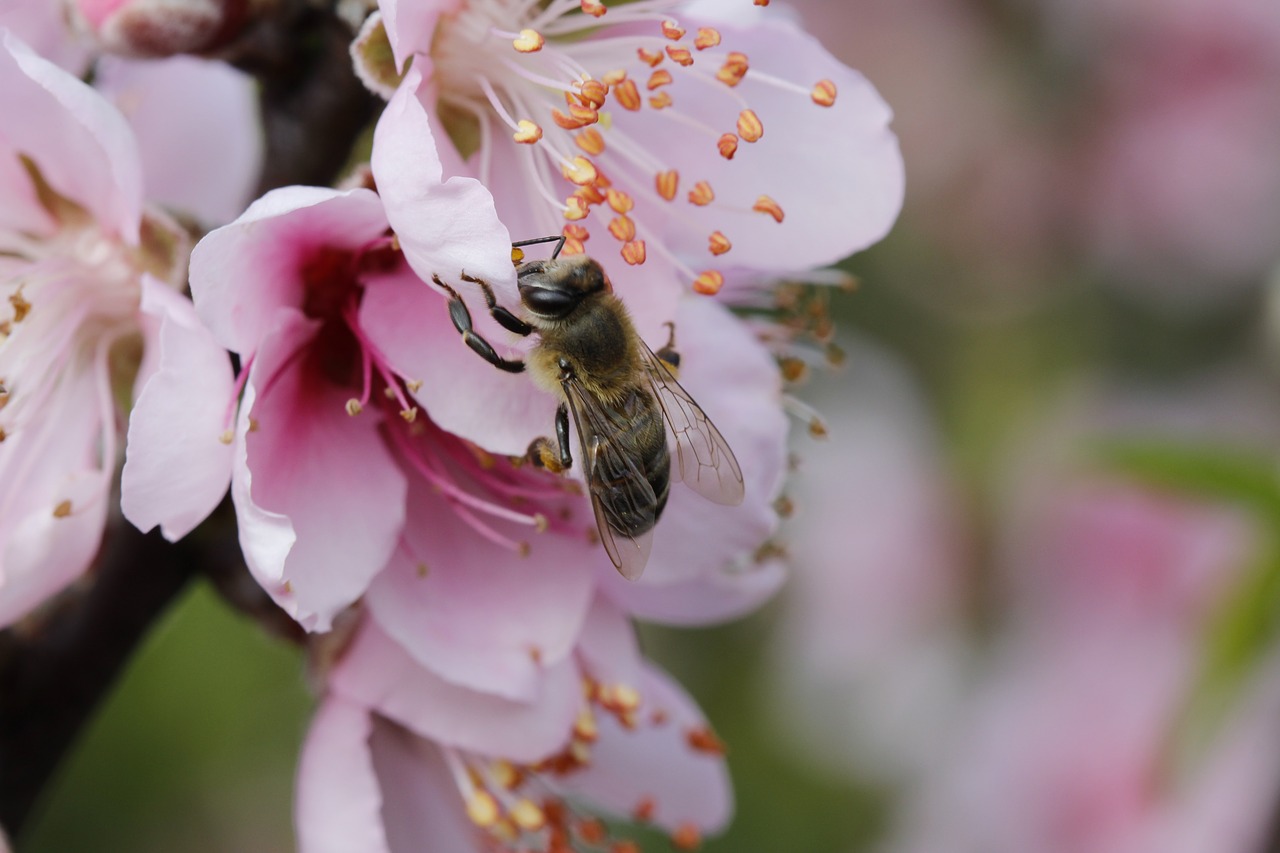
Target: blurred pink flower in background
x=1067 y=743
x=183 y=111
x=871 y=651
x=90 y=281
x=1179 y=137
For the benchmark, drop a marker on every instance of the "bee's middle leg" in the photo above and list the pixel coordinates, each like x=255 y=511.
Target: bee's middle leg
x=668 y=355
x=542 y=454
x=461 y=318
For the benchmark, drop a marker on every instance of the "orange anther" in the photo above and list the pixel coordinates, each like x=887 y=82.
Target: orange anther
x=622 y=229
x=661 y=77
x=577 y=232
x=592 y=832
x=614 y=77
x=529 y=41
x=660 y=101
x=526 y=815
x=672 y=31
x=686 y=836
x=649 y=57
x=762 y=2
x=728 y=145
x=667 y=183
x=482 y=808
x=575 y=208
x=593 y=93
x=527 y=132
x=619 y=201
x=644 y=809
x=707 y=37
x=701 y=194
x=633 y=252
x=569 y=122
x=764 y=204
x=708 y=282
x=703 y=739
x=680 y=55
x=584 y=113
x=824 y=93
x=572 y=247
x=590 y=141
x=734 y=69
x=749 y=126
x=592 y=8
x=627 y=95
x=718 y=243
x=591 y=194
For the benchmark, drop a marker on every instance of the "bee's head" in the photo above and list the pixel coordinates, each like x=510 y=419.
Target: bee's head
x=552 y=289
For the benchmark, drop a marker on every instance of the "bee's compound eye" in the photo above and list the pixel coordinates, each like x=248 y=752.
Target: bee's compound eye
x=548 y=302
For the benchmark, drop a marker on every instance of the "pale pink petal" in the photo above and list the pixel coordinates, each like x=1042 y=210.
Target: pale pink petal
x=714 y=596
x=736 y=382
x=20 y=208
x=608 y=646
x=465 y=395
x=198 y=130
x=836 y=172
x=421 y=806
x=447 y=228
x=82 y=144
x=655 y=762
x=43 y=26
x=476 y=613
x=329 y=474
x=41 y=468
x=241 y=273
x=378 y=673
x=176 y=467
x=410 y=25
x=338 y=800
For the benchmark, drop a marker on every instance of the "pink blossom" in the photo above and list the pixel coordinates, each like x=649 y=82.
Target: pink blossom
x=397 y=760
x=82 y=261
x=1064 y=744
x=503 y=70
x=871 y=648
x=1182 y=198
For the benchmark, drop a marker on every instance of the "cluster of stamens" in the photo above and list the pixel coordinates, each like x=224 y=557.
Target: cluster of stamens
x=610 y=174
x=518 y=807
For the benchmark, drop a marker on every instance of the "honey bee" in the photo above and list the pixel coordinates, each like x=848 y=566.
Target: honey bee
x=624 y=400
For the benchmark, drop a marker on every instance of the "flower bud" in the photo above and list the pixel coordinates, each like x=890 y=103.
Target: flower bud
x=158 y=28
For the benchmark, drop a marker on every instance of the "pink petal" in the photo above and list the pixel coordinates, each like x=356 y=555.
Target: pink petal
x=338 y=802
x=421 y=808
x=447 y=228
x=465 y=395
x=378 y=673
x=836 y=172
x=43 y=26
x=608 y=645
x=655 y=762
x=482 y=616
x=712 y=597
x=39 y=469
x=176 y=469
x=186 y=110
x=83 y=146
x=317 y=474
x=241 y=273
x=411 y=24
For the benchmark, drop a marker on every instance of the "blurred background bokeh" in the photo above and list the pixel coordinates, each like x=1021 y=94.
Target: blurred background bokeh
x=1036 y=562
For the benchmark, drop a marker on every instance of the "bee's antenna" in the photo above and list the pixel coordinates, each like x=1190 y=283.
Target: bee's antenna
x=559 y=238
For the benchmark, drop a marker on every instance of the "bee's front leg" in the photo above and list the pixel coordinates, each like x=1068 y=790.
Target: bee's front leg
x=461 y=318
x=542 y=454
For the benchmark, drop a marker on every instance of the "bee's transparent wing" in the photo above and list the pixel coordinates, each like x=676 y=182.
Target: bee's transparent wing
x=620 y=494
x=701 y=457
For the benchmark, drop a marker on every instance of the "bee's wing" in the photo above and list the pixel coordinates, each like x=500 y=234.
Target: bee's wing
x=610 y=472
x=702 y=458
